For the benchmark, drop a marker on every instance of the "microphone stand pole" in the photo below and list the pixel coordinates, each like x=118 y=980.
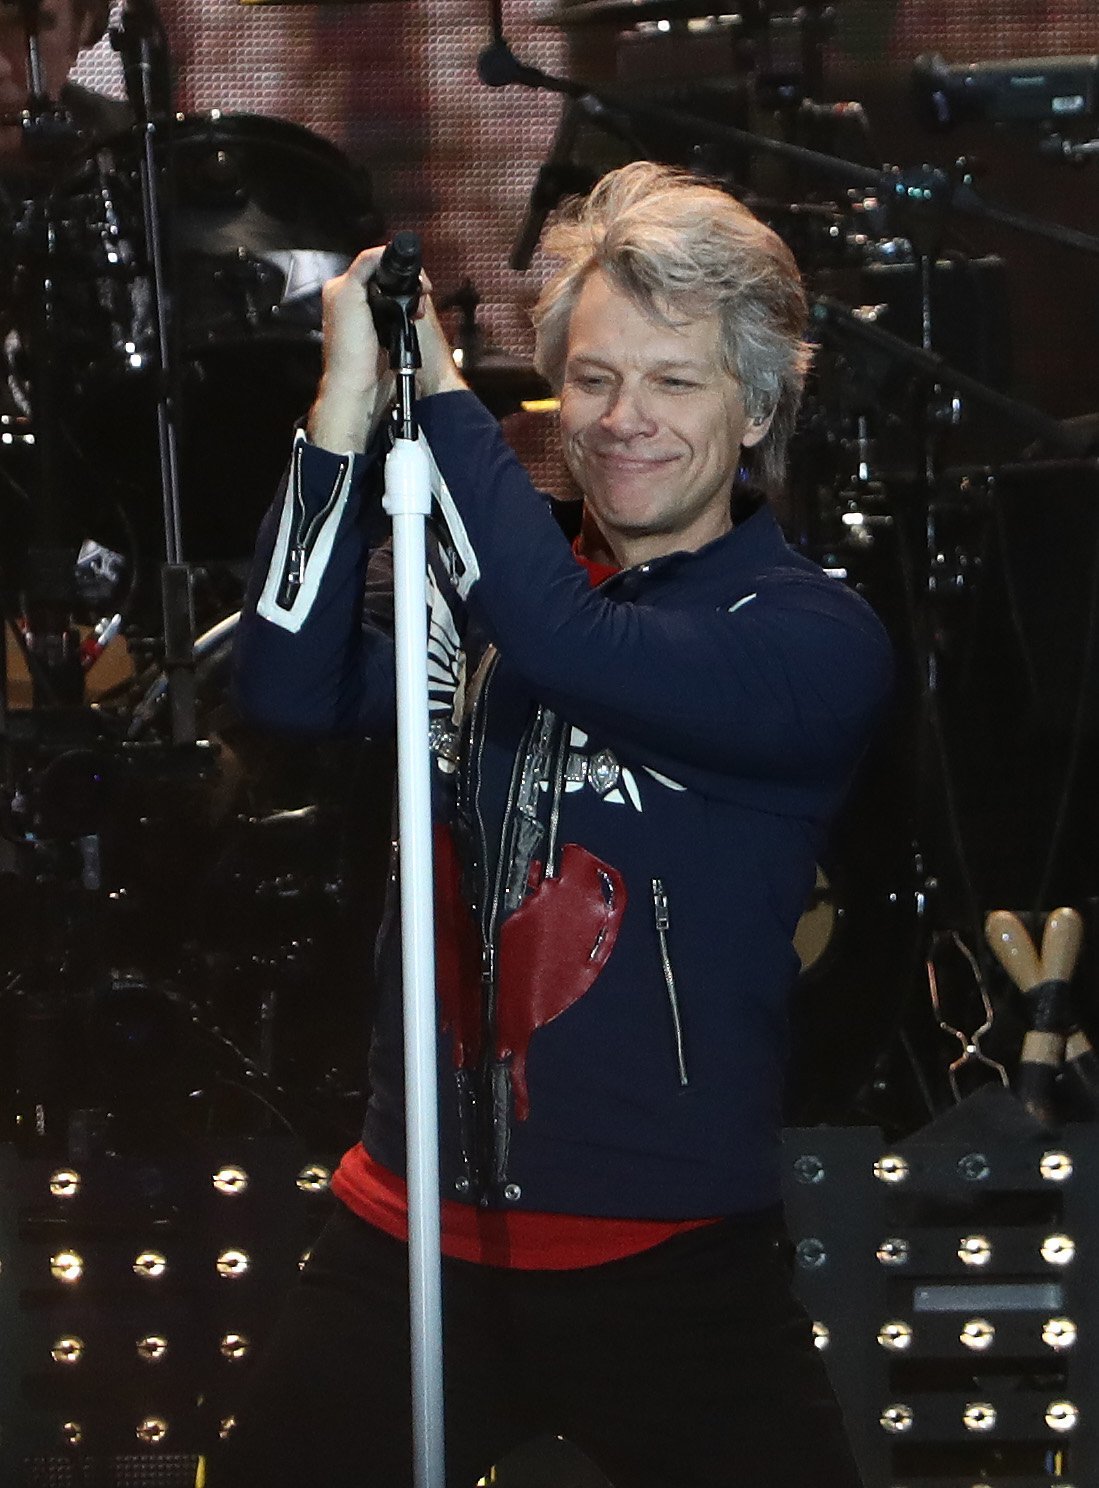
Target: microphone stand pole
x=141 y=42
x=407 y=501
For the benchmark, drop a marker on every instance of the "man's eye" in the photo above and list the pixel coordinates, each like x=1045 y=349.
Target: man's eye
x=677 y=383
x=590 y=381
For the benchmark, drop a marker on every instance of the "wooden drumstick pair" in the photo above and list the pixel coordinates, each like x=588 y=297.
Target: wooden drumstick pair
x=1054 y=1041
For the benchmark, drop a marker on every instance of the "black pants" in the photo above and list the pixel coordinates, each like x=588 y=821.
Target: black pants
x=688 y=1365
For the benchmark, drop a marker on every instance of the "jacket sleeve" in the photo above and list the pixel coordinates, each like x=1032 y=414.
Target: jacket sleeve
x=782 y=684
x=308 y=659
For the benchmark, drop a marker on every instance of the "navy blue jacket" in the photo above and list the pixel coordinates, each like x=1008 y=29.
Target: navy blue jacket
x=632 y=783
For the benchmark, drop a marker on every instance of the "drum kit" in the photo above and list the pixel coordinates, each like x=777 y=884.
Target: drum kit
x=161 y=333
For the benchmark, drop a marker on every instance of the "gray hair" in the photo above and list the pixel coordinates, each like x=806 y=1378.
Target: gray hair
x=675 y=243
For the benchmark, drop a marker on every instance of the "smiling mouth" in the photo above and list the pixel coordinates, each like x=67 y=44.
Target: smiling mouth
x=631 y=462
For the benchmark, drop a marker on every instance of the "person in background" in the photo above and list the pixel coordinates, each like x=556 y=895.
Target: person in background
x=65 y=28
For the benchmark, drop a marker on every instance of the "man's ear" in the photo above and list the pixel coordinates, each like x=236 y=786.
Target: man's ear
x=757 y=429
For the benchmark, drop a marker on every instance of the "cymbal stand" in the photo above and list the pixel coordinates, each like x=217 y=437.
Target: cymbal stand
x=49 y=644
x=141 y=41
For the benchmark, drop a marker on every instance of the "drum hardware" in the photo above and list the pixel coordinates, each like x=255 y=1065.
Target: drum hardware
x=47 y=132
x=972 y=1059
x=140 y=40
x=560 y=176
x=502 y=381
x=1018 y=90
x=1076 y=152
x=751 y=18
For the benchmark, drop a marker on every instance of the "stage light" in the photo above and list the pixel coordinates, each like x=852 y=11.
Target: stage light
x=975 y=1250
x=977 y=1334
x=227 y=1426
x=67 y=1350
x=974 y=1167
x=895 y=1336
x=150 y=1264
x=1055 y=1167
x=892 y=1168
x=151 y=1430
x=1059 y=1250
x=808 y=1169
x=314 y=1178
x=1062 y=1415
x=897 y=1418
x=822 y=1335
x=72 y=1433
x=234 y=1346
x=152 y=1347
x=234 y=1263
x=230 y=1179
x=67 y=1266
x=1059 y=1333
x=893 y=1251
x=65 y=1183
x=810 y=1253
x=979 y=1415
x=305 y=1257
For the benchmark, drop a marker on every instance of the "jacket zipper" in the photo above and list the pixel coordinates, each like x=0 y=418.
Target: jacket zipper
x=494 y=1078
x=468 y=1085
x=663 y=921
x=304 y=533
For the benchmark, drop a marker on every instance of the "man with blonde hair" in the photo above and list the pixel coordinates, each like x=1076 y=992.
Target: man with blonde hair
x=638 y=744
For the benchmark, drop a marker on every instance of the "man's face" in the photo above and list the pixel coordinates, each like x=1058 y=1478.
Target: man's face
x=60 y=26
x=652 y=425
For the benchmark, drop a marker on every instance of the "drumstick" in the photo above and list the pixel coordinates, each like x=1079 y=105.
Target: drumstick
x=1012 y=946
x=1061 y=942
x=1044 y=1042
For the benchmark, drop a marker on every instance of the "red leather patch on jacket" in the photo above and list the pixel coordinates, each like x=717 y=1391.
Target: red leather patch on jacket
x=552 y=948
x=457 y=954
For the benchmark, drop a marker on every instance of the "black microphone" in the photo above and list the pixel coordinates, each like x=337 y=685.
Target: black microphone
x=498 y=66
x=397 y=276
x=393 y=293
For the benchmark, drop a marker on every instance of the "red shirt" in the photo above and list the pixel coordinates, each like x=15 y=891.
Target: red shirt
x=523 y=1239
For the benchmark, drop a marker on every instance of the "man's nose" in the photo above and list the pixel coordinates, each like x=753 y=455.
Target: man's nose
x=628 y=414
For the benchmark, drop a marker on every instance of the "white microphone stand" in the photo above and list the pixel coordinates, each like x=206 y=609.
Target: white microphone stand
x=408 y=501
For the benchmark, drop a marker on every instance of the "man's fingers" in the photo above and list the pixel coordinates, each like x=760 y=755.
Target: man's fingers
x=364 y=264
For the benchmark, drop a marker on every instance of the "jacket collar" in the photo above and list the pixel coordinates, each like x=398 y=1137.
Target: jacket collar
x=755 y=542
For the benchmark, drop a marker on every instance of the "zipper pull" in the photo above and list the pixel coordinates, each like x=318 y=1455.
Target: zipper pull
x=660 y=905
